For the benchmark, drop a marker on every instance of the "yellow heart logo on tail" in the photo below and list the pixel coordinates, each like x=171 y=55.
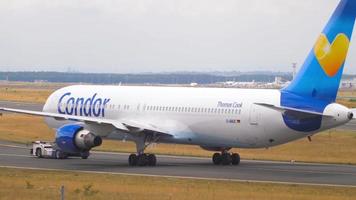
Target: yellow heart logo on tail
x=331 y=56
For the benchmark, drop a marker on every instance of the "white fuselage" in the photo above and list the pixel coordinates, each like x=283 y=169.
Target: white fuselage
x=210 y=117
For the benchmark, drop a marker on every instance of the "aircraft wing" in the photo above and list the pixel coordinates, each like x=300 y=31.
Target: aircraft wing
x=126 y=125
x=283 y=109
x=141 y=126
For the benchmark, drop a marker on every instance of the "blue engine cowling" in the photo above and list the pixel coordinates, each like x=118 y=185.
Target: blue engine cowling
x=73 y=138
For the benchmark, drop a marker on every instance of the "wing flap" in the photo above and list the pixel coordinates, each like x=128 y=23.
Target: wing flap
x=144 y=126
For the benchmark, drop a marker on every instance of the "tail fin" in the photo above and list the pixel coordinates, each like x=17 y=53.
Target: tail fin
x=320 y=75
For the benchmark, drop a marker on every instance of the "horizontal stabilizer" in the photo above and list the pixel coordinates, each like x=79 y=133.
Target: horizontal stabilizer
x=292 y=110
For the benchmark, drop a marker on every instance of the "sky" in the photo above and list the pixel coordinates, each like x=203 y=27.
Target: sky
x=134 y=36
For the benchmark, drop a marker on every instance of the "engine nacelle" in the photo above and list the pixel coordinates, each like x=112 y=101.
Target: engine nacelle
x=74 y=139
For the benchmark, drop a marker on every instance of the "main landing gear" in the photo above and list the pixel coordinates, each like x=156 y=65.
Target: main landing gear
x=226 y=158
x=141 y=158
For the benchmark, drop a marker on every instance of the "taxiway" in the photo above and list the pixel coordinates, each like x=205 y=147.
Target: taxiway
x=18 y=156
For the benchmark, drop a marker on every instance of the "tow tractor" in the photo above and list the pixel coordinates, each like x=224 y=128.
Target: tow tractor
x=42 y=149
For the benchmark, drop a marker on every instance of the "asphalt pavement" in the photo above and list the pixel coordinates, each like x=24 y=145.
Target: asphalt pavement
x=18 y=156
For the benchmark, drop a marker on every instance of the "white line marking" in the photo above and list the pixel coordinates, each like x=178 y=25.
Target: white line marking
x=14 y=146
x=257 y=168
x=303 y=171
x=15 y=155
x=184 y=177
x=19 y=103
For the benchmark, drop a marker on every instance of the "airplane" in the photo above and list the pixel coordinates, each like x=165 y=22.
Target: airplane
x=216 y=119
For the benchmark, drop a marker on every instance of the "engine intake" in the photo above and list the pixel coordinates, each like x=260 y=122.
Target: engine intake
x=86 y=140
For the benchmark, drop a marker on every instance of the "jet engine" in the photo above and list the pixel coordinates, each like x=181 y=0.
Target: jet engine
x=74 y=138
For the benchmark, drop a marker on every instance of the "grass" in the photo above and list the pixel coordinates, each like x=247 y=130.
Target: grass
x=24 y=94
x=345 y=98
x=24 y=129
x=28 y=92
x=39 y=92
x=36 y=184
x=327 y=147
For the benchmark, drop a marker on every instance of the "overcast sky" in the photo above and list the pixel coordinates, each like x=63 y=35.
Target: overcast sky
x=130 y=36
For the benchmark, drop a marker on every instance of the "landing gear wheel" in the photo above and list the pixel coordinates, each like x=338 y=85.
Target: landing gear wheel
x=151 y=160
x=217 y=158
x=235 y=159
x=142 y=160
x=85 y=155
x=39 y=153
x=225 y=159
x=58 y=155
x=133 y=160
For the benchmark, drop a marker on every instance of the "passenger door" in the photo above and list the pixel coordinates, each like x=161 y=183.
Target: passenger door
x=254 y=115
